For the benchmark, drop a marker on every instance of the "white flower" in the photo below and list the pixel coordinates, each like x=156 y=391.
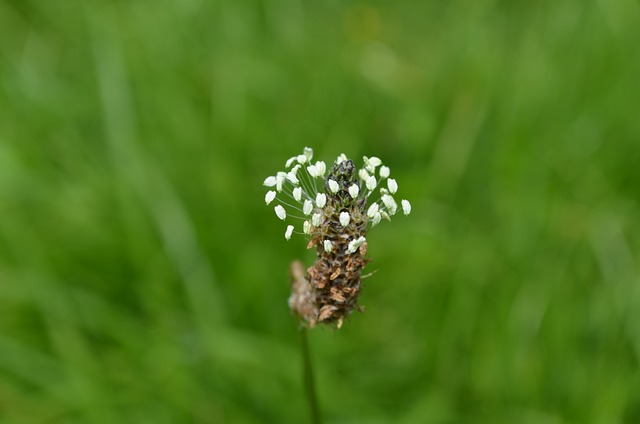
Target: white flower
x=314 y=203
x=280 y=178
x=344 y=219
x=390 y=203
x=376 y=219
x=393 y=185
x=306 y=227
x=290 y=161
x=321 y=167
x=333 y=186
x=308 y=153
x=280 y=212
x=287 y=234
x=371 y=182
x=406 y=206
x=316 y=220
x=313 y=171
x=371 y=163
x=374 y=161
x=355 y=244
x=321 y=200
x=307 y=207
x=373 y=209
x=354 y=190
x=291 y=176
x=268 y=198
x=297 y=193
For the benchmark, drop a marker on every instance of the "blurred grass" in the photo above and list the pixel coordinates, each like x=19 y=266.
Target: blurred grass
x=142 y=279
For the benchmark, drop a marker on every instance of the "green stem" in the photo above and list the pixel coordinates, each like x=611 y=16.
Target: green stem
x=309 y=383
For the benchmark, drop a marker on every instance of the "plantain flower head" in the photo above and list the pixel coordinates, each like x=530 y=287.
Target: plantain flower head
x=335 y=207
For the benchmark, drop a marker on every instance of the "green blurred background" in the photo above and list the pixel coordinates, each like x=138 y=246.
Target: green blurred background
x=143 y=280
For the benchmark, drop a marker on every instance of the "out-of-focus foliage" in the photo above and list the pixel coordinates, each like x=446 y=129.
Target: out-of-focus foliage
x=143 y=280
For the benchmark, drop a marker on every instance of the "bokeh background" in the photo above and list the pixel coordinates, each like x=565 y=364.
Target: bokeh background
x=143 y=280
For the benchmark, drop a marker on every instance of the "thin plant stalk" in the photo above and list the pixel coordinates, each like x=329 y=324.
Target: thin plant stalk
x=309 y=382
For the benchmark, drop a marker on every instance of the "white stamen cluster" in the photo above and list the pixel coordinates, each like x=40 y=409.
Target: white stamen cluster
x=301 y=188
x=354 y=244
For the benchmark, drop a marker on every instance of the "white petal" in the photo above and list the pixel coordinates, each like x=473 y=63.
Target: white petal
x=344 y=219
x=363 y=174
x=328 y=246
x=306 y=227
x=383 y=191
x=355 y=244
x=393 y=185
x=287 y=234
x=316 y=220
x=280 y=178
x=292 y=177
x=313 y=171
x=376 y=219
x=370 y=164
x=308 y=153
x=290 y=161
x=270 y=181
x=354 y=190
x=373 y=209
x=390 y=203
x=374 y=161
x=268 y=198
x=406 y=207
x=387 y=200
x=321 y=200
x=384 y=172
x=307 y=207
x=297 y=193
x=321 y=167
x=280 y=212
x=334 y=186
x=371 y=182
x=341 y=158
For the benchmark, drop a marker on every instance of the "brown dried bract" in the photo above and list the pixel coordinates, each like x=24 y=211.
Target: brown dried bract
x=326 y=312
x=335 y=274
x=302 y=300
